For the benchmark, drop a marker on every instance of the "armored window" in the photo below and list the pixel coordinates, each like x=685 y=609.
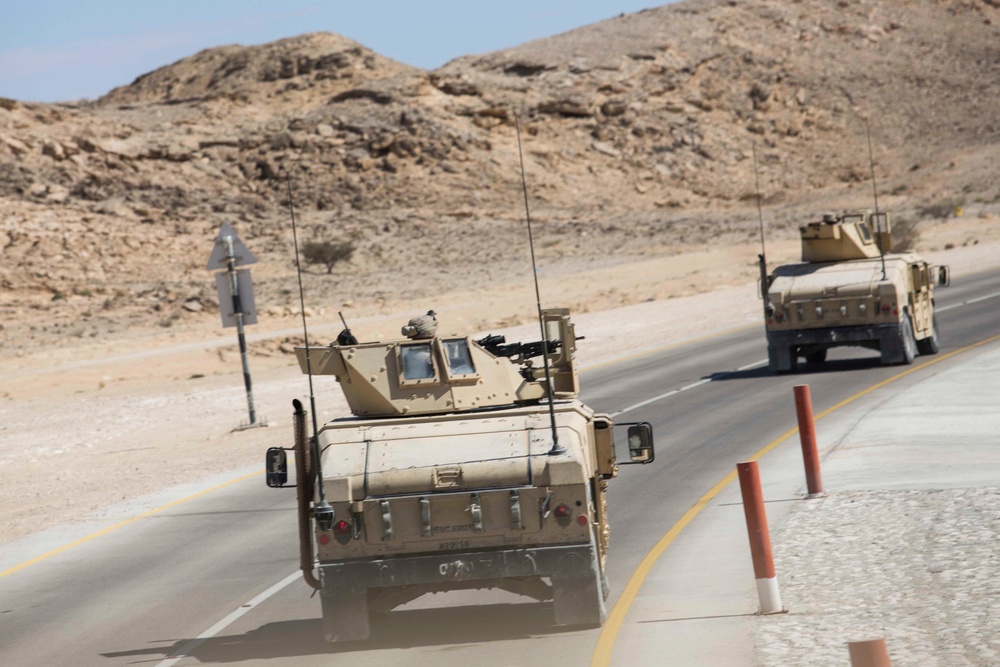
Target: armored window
x=418 y=364
x=456 y=351
x=865 y=234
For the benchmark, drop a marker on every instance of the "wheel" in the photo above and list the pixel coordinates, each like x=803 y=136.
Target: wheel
x=909 y=341
x=817 y=357
x=932 y=343
x=580 y=600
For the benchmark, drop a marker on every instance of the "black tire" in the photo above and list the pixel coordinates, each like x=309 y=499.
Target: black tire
x=909 y=341
x=817 y=357
x=931 y=344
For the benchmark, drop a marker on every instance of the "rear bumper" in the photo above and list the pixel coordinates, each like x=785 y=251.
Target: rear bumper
x=834 y=336
x=459 y=568
x=784 y=347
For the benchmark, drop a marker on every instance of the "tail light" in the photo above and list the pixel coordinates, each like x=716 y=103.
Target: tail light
x=342 y=531
x=562 y=514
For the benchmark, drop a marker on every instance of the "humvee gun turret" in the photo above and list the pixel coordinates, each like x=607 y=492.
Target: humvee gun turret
x=847 y=291
x=460 y=469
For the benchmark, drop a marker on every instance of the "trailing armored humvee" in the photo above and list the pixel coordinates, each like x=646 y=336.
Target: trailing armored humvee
x=462 y=467
x=848 y=292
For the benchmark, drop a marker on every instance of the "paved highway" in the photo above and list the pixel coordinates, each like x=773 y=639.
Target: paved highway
x=214 y=579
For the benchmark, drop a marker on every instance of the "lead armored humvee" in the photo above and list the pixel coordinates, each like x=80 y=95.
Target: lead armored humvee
x=459 y=469
x=847 y=292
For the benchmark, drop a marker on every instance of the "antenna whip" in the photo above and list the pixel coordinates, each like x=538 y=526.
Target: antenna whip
x=760 y=214
x=556 y=448
x=762 y=257
x=305 y=334
x=878 y=223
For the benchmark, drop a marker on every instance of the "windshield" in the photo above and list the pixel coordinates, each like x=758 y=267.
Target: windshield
x=459 y=359
x=417 y=364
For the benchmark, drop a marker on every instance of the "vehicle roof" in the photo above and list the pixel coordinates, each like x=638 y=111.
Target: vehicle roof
x=863 y=273
x=486 y=413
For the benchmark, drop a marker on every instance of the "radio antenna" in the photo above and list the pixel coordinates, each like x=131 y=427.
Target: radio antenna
x=556 y=447
x=762 y=257
x=878 y=219
x=322 y=507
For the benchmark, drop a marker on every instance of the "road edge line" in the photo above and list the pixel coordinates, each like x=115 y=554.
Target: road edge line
x=609 y=632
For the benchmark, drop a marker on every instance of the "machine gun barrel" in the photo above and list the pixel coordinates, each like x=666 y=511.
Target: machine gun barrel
x=497 y=345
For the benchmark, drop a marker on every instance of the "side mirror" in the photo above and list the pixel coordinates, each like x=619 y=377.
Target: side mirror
x=276 y=467
x=640 y=443
x=944 y=276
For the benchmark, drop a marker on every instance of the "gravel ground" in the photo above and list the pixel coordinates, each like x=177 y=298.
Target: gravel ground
x=905 y=545
x=917 y=567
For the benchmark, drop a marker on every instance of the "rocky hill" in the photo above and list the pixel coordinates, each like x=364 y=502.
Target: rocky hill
x=638 y=134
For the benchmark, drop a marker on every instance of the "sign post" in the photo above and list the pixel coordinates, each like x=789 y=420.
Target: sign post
x=236 y=303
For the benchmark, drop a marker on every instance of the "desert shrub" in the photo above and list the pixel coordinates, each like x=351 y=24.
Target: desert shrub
x=327 y=253
x=942 y=209
x=905 y=234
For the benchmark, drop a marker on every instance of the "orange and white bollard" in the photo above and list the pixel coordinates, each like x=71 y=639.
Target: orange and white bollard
x=807 y=435
x=869 y=653
x=760 y=539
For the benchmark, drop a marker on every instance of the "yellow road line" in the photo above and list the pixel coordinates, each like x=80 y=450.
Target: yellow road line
x=609 y=633
x=122 y=524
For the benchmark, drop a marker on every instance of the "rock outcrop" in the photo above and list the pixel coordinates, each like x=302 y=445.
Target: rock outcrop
x=637 y=132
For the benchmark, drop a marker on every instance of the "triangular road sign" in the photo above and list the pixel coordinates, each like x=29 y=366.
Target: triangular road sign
x=219 y=259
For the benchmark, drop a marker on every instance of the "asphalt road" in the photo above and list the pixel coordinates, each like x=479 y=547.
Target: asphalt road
x=214 y=580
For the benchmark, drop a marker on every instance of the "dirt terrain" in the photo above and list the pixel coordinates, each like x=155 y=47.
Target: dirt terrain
x=639 y=136
x=87 y=422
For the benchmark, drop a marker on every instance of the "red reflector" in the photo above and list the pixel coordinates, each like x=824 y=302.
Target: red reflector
x=896 y=311
x=885 y=308
x=324 y=539
x=561 y=512
x=342 y=527
x=582 y=519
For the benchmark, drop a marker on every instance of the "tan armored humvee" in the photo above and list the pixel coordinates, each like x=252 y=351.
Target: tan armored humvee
x=847 y=292
x=454 y=473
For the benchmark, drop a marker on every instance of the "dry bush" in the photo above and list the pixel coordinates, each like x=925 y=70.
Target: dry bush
x=328 y=253
x=942 y=209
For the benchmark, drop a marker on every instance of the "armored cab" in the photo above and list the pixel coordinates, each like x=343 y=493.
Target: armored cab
x=850 y=291
x=462 y=466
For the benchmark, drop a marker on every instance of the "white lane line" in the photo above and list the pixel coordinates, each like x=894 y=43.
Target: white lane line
x=186 y=650
x=966 y=303
x=753 y=365
x=983 y=298
x=674 y=392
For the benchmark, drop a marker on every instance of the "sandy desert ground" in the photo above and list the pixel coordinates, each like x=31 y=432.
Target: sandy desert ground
x=85 y=423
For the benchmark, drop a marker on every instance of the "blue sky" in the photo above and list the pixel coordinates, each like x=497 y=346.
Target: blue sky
x=60 y=50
